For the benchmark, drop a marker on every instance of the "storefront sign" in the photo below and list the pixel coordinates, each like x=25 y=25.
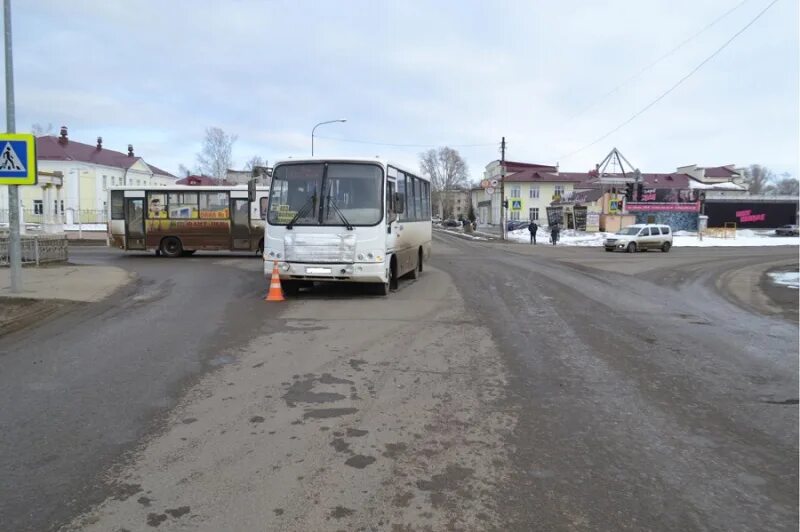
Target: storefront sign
x=592 y=221
x=663 y=207
x=748 y=216
x=580 y=218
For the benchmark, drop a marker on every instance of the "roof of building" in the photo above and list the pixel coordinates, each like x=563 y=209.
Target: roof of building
x=721 y=171
x=52 y=148
x=203 y=181
x=534 y=176
x=680 y=181
x=519 y=166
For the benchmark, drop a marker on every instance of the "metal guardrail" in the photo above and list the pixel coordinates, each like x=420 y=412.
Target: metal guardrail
x=37 y=249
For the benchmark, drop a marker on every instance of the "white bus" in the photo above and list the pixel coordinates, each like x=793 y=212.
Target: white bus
x=179 y=220
x=346 y=220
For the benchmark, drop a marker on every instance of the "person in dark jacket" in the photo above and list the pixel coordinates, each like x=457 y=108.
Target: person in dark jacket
x=532 y=228
x=554 y=232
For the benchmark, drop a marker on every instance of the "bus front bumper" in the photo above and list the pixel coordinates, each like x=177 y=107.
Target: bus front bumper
x=345 y=272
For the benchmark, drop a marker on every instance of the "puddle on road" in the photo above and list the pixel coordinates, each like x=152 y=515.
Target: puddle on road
x=301 y=390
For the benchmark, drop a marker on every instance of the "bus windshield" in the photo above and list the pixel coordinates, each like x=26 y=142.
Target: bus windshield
x=342 y=194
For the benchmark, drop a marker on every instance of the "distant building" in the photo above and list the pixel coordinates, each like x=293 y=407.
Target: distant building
x=452 y=203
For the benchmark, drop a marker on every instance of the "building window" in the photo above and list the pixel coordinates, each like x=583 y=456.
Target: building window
x=533 y=214
x=105 y=182
x=534 y=192
x=515 y=215
x=515 y=192
x=38 y=207
x=559 y=190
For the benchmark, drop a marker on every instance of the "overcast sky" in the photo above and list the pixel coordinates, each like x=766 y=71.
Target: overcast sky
x=157 y=73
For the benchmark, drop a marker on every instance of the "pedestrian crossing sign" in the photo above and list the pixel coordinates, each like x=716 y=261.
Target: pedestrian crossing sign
x=17 y=159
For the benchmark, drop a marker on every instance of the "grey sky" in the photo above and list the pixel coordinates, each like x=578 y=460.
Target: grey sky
x=156 y=73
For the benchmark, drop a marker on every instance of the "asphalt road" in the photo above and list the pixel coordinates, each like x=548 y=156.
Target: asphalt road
x=651 y=394
x=82 y=389
x=550 y=388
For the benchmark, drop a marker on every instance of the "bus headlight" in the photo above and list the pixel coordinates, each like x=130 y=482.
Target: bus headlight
x=370 y=255
x=285 y=266
x=360 y=256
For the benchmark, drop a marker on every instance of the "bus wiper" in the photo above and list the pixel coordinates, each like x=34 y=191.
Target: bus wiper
x=309 y=204
x=338 y=211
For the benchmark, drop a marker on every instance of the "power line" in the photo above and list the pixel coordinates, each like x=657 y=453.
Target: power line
x=652 y=64
x=407 y=145
x=673 y=87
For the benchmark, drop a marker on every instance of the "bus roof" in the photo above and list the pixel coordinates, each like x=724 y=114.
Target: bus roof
x=383 y=162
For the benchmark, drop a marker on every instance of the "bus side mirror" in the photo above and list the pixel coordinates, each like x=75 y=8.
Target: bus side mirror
x=251 y=190
x=399 y=202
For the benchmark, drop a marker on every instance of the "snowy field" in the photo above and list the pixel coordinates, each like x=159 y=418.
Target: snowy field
x=744 y=237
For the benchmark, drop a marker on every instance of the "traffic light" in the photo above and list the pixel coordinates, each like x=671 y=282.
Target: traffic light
x=629 y=191
x=505 y=204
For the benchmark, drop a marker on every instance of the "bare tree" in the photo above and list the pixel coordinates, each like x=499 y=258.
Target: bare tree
x=254 y=161
x=184 y=171
x=448 y=173
x=758 y=179
x=787 y=186
x=215 y=156
x=39 y=130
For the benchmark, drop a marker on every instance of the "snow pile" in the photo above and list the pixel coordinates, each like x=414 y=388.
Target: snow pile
x=790 y=279
x=567 y=237
x=744 y=238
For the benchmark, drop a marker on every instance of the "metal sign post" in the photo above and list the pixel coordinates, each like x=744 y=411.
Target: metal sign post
x=14 y=247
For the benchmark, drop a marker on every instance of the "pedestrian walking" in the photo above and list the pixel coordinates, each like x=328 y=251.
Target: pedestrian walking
x=532 y=228
x=554 y=233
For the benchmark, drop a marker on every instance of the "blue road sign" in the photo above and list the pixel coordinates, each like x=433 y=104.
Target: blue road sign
x=17 y=159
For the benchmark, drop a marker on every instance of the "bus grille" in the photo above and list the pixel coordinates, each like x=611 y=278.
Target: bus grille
x=304 y=247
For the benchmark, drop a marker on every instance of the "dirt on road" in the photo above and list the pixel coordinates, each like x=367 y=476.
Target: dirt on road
x=349 y=414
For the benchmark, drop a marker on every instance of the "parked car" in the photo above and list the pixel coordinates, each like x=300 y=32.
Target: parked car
x=640 y=237
x=513 y=225
x=451 y=223
x=787 y=230
x=436 y=220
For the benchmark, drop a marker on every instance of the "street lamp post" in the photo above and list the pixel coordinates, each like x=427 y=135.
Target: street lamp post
x=320 y=124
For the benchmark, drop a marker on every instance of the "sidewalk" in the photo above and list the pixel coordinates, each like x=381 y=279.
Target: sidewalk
x=66 y=282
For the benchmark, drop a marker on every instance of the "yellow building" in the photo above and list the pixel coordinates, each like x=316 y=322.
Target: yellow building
x=529 y=189
x=88 y=171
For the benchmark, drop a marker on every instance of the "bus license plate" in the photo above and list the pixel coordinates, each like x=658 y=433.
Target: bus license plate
x=318 y=270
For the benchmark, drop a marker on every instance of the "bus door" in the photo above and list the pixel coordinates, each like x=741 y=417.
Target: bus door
x=134 y=223
x=240 y=223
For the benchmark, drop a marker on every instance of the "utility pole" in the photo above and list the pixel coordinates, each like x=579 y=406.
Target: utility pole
x=14 y=245
x=503 y=186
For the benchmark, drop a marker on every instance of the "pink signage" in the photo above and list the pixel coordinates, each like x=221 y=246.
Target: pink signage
x=748 y=216
x=663 y=207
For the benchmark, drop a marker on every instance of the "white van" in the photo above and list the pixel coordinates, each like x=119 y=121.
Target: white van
x=640 y=237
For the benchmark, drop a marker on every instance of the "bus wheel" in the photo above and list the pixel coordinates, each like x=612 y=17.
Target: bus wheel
x=393 y=283
x=414 y=274
x=171 y=247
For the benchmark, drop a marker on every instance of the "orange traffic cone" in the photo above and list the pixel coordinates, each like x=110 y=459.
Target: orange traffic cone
x=275 y=292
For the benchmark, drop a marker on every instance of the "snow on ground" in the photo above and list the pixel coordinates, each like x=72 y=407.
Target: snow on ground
x=744 y=237
x=790 y=279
